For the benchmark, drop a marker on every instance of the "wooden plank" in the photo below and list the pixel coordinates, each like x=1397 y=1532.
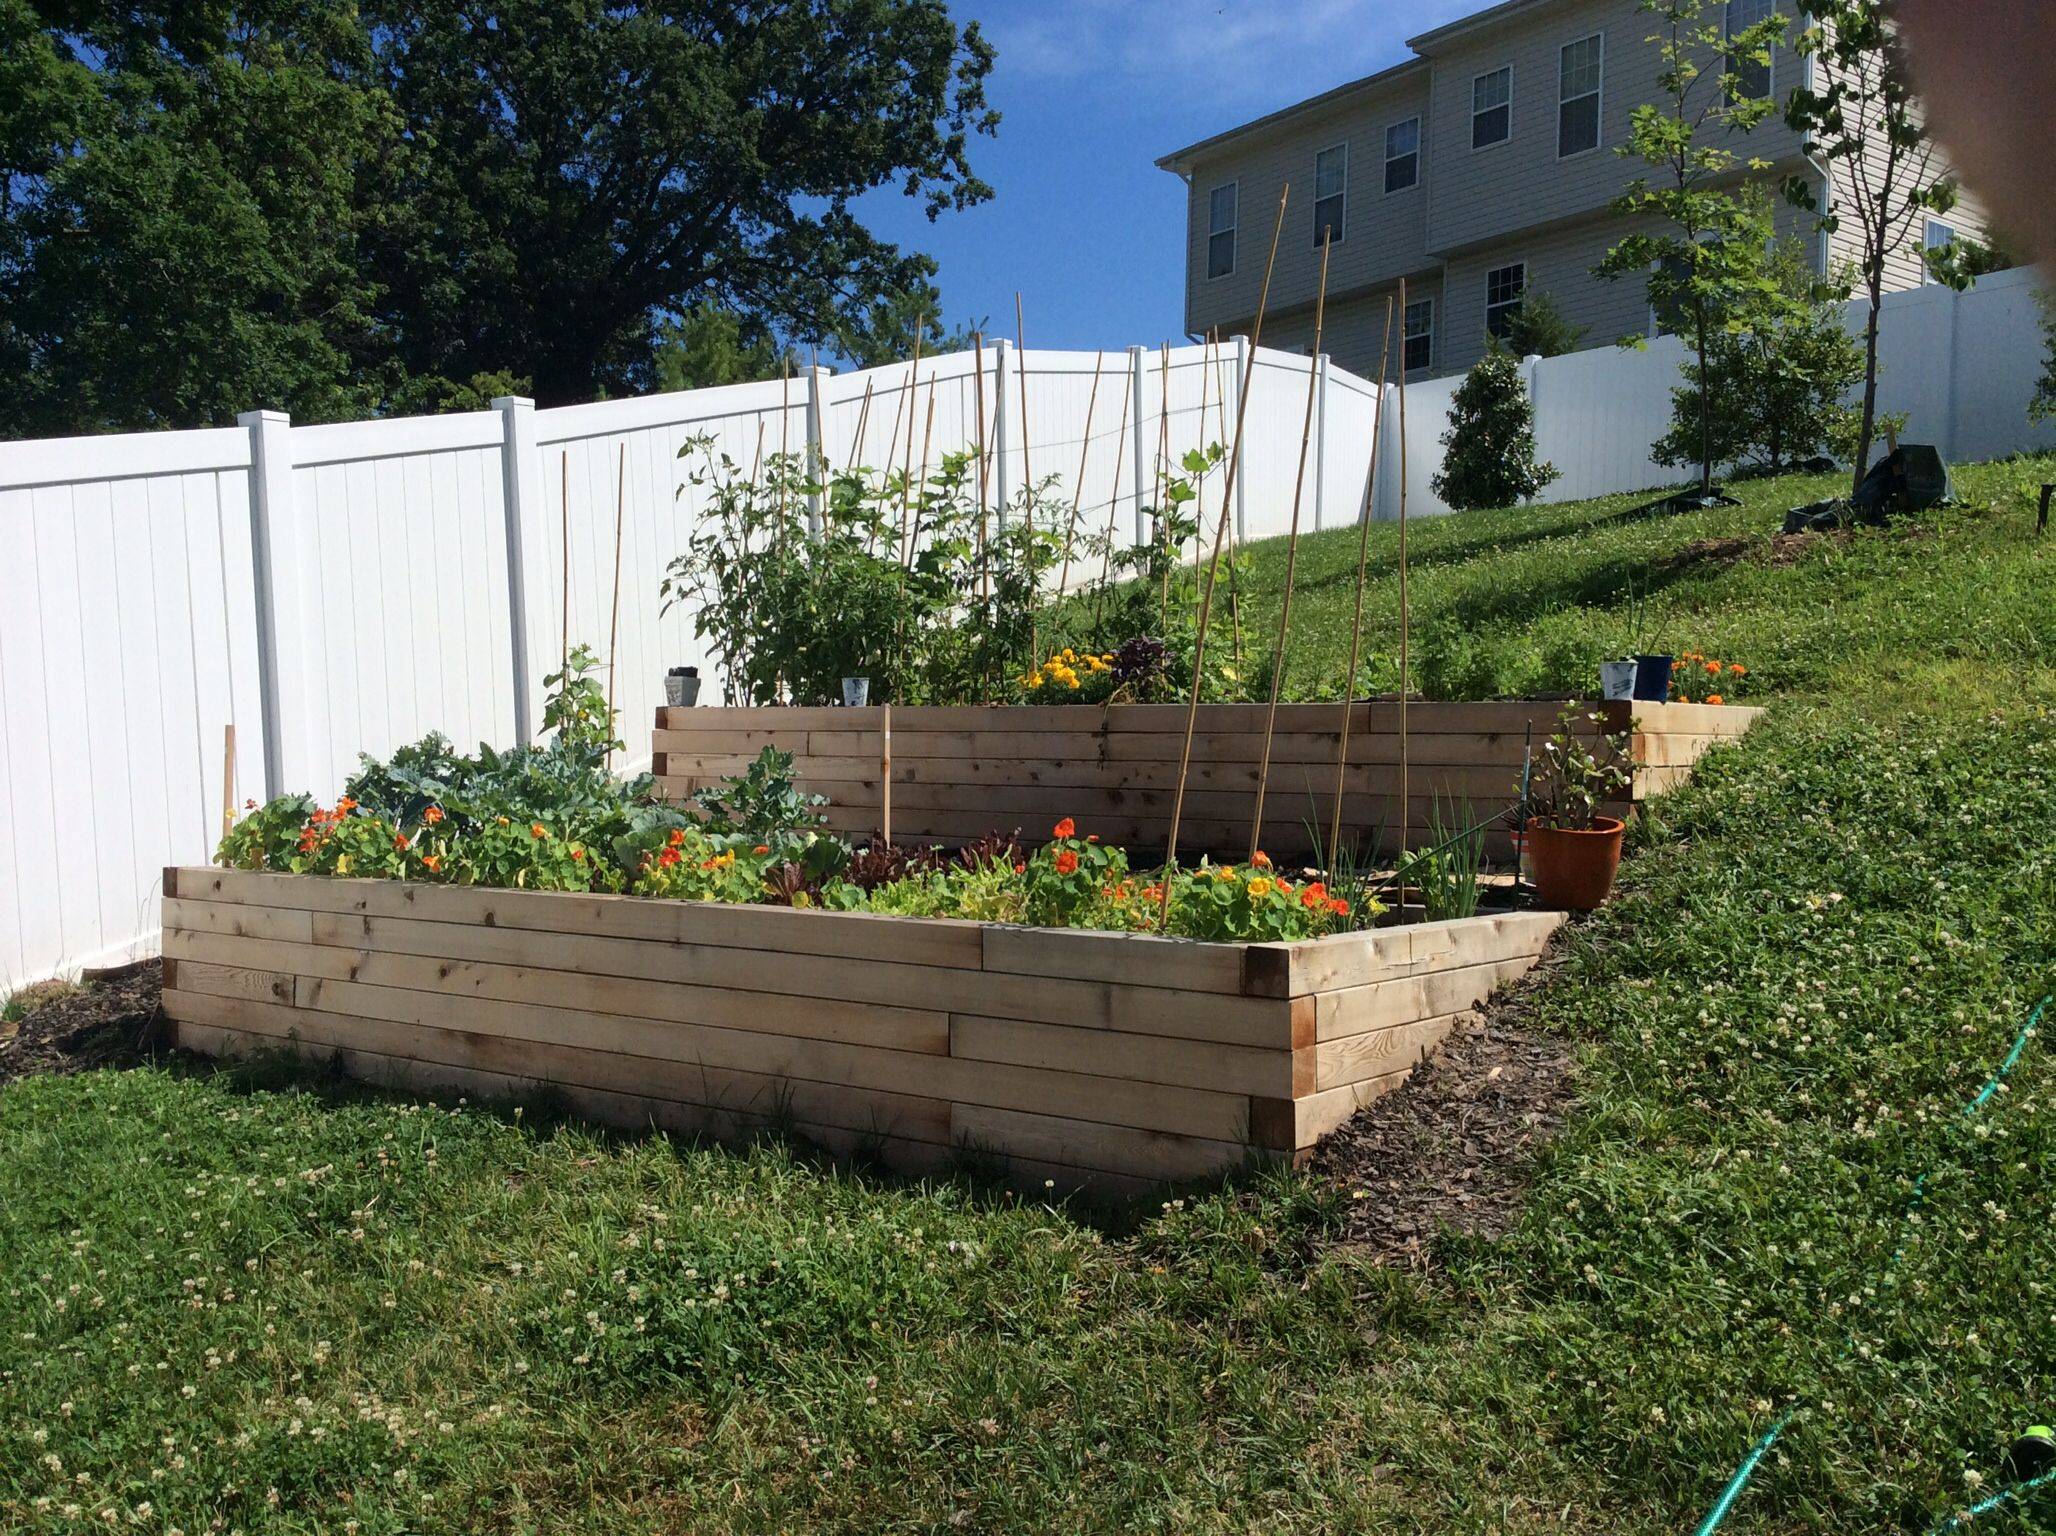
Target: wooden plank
x=1326 y=965
x=229 y=981
x=1379 y=1053
x=1090 y=1145
x=1094 y=1004
x=861 y=935
x=1380 y=1005
x=1142 y=1058
x=1304 y=1121
x=1372 y=769
x=1296 y=787
x=627 y=1109
x=519 y=1044
x=1137 y=959
x=184 y=915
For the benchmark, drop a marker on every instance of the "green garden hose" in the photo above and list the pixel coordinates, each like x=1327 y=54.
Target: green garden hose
x=1737 y=1483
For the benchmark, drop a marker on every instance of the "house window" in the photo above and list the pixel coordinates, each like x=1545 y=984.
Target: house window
x=1492 y=108
x=1420 y=335
x=1579 y=66
x=1504 y=287
x=1402 y=155
x=1939 y=237
x=1331 y=192
x=1220 y=231
x=1752 y=76
x=1669 y=314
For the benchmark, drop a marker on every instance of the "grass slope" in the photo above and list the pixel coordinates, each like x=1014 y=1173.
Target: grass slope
x=272 y=1309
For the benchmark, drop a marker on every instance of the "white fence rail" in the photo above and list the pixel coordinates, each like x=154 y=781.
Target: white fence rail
x=345 y=588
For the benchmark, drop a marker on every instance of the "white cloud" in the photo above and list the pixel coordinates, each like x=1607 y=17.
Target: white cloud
x=1237 y=51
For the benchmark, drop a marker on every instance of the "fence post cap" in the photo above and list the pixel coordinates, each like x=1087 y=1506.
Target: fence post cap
x=513 y=403
x=262 y=418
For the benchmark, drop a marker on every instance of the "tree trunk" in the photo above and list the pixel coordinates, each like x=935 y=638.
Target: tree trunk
x=1705 y=402
x=1868 y=430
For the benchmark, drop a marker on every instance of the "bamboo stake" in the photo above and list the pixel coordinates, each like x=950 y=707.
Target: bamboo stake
x=1306 y=437
x=1078 y=489
x=228 y=778
x=564 y=508
x=911 y=532
x=784 y=433
x=1405 y=616
x=1163 y=491
x=1027 y=487
x=885 y=774
x=1356 y=628
x=614 y=624
x=863 y=421
x=1199 y=498
x=914 y=390
x=1106 y=561
x=1206 y=600
x=984 y=462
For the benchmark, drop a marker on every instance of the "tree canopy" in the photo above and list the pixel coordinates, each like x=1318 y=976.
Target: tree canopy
x=335 y=208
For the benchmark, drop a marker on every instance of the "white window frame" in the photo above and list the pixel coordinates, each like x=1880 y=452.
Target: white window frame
x=1406 y=336
x=1490 y=273
x=1598 y=92
x=1342 y=223
x=1476 y=112
x=1414 y=154
x=1213 y=234
x=1770 y=70
x=1928 y=242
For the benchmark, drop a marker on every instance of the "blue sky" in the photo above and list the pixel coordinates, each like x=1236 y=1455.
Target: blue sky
x=1091 y=92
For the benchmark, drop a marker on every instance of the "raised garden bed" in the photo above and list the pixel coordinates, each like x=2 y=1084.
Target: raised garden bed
x=959 y=772
x=1080 y=1057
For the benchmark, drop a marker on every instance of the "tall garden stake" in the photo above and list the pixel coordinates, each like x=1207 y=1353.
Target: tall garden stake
x=1206 y=601
x=1027 y=487
x=885 y=774
x=913 y=407
x=863 y=421
x=228 y=778
x=1163 y=492
x=1356 y=626
x=1405 y=615
x=1106 y=562
x=1078 y=490
x=614 y=623
x=1306 y=437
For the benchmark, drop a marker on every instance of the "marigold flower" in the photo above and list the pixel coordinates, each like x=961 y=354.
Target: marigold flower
x=1067 y=862
x=1065 y=828
x=1714 y=698
x=1262 y=886
x=1737 y=669
x=1713 y=668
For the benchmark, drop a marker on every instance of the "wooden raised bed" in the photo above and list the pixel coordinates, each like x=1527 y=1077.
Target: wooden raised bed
x=1115 y=1059
x=961 y=772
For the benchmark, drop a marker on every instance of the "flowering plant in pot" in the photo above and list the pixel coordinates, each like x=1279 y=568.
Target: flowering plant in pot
x=1574 y=849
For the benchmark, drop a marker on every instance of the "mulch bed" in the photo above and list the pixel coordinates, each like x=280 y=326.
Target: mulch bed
x=106 y=1023
x=1451 y=1148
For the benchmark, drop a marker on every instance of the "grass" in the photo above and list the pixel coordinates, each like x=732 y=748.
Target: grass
x=267 y=1306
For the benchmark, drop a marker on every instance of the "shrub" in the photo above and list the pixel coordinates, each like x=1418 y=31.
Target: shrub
x=1491 y=439
x=1539 y=329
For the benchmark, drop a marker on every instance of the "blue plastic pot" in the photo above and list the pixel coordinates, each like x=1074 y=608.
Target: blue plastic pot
x=1653 y=678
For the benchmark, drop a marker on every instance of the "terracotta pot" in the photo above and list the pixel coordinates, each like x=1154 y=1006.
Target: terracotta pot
x=1574 y=870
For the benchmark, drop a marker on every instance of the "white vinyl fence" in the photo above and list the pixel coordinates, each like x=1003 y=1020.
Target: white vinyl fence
x=330 y=590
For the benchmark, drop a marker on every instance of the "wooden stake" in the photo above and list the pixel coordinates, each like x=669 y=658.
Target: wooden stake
x=1356 y=628
x=564 y=506
x=1106 y=561
x=1078 y=488
x=1306 y=437
x=914 y=391
x=228 y=778
x=863 y=421
x=913 y=530
x=1206 y=599
x=1163 y=481
x=614 y=623
x=1405 y=617
x=885 y=774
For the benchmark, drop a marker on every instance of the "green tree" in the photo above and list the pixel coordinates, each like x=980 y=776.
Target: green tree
x=184 y=202
x=708 y=345
x=1774 y=389
x=1703 y=244
x=588 y=168
x=1539 y=328
x=1490 y=445
x=1858 y=109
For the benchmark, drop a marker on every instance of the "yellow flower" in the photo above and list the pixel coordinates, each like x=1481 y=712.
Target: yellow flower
x=1262 y=886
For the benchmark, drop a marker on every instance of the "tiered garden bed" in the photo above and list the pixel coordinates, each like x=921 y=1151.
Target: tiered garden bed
x=959 y=772
x=1080 y=1057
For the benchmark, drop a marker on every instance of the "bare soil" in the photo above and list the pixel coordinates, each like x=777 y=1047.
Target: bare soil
x=111 y=1022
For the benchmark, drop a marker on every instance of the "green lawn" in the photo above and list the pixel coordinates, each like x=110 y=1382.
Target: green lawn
x=231 y=1306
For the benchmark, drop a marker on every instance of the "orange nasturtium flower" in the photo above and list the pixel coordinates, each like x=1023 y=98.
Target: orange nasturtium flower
x=432 y=862
x=1714 y=698
x=677 y=838
x=537 y=829
x=761 y=849
x=400 y=841
x=1065 y=828
x=1339 y=907
x=1738 y=669
x=432 y=815
x=1067 y=862
x=1260 y=859
x=1315 y=895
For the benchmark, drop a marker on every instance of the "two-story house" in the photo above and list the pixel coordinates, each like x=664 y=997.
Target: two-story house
x=1480 y=170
